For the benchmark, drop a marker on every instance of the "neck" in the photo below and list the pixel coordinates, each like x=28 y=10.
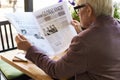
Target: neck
x=91 y=21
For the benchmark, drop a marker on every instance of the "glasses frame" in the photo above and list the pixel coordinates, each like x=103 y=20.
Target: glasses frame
x=78 y=7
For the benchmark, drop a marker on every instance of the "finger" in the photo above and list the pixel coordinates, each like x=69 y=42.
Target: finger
x=74 y=23
x=18 y=39
x=22 y=37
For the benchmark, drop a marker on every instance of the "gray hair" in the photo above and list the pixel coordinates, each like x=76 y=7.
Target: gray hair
x=99 y=6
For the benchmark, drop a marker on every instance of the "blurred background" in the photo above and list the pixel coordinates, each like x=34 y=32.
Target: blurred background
x=7 y=6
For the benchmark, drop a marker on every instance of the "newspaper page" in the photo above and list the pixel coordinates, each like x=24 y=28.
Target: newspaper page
x=55 y=22
x=26 y=24
x=49 y=29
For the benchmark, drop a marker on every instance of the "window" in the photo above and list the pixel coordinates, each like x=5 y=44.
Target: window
x=7 y=6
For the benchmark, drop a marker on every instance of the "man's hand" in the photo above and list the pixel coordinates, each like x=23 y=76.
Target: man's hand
x=76 y=25
x=22 y=42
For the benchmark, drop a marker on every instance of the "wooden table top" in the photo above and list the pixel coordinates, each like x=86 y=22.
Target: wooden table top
x=26 y=67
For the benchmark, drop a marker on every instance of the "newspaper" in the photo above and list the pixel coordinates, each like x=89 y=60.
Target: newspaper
x=49 y=28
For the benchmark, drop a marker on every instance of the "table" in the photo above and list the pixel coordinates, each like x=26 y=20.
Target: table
x=26 y=67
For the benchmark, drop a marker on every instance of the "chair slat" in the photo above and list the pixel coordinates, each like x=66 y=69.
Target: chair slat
x=6 y=35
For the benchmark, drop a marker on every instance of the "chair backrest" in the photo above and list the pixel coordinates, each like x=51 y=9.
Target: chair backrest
x=6 y=37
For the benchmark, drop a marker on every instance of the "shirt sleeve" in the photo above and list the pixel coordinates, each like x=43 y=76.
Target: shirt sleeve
x=73 y=62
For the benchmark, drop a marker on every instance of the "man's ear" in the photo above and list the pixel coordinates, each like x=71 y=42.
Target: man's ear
x=89 y=10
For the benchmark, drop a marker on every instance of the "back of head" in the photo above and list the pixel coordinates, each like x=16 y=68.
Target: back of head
x=100 y=7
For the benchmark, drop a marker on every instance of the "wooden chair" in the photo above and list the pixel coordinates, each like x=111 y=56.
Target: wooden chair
x=6 y=37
